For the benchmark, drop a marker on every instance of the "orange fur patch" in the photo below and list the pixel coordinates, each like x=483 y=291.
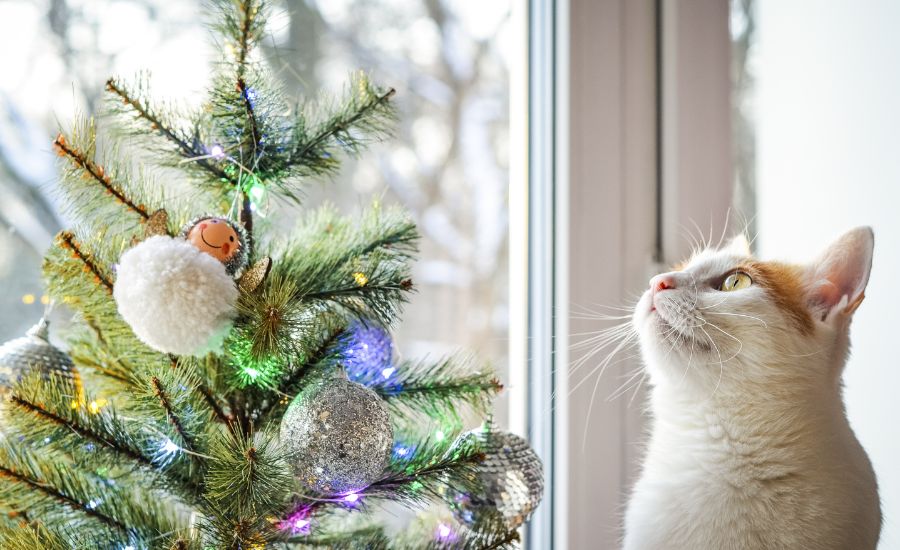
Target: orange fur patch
x=785 y=284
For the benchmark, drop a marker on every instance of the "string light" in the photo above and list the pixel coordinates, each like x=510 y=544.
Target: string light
x=298 y=523
x=93 y=407
x=217 y=151
x=257 y=192
x=403 y=451
x=360 y=278
x=167 y=451
x=444 y=532
x=352 y=498
x=250 y=370
x=28 y=299
x=439 y=435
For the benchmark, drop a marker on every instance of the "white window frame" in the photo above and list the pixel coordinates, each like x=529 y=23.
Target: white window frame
x=627 y=142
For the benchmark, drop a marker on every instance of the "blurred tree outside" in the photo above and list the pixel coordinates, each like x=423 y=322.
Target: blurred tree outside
x=448 y=164
x=743 y=90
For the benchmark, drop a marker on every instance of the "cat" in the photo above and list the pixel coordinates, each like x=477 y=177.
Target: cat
x=750 y=447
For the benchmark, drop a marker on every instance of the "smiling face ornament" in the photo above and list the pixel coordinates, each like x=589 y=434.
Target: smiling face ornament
x=222 y=239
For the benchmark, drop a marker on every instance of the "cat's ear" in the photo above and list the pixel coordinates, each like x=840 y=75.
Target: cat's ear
x=838 y=278
x=739 y=246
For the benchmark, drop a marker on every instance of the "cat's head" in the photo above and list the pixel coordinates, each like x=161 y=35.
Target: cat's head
x=725 y=318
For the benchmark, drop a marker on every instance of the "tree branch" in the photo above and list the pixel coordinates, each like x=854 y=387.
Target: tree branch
x=342 y=125
x=96 y=172
x=80 y=430
x=67 y=241
x=187 y=150
x=12 y=475
x=173 y=418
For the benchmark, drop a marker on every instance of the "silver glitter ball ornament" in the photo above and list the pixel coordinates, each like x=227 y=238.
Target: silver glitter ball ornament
x=510 y=481
x=34 y=352
x=339 y=436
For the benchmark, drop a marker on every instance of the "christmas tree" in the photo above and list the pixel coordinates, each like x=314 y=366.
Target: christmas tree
x=228 y=384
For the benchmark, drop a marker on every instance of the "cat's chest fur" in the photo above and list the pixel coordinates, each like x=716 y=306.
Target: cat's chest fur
x=751 y=476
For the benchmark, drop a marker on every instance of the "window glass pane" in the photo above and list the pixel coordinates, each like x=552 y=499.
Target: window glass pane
x=826 y=117
x=448 y=163
x=743 y=49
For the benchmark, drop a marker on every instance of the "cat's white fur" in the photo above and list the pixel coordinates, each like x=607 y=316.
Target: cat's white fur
x=750 y=446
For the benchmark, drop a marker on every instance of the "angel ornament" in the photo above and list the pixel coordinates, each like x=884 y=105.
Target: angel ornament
x=179 y=293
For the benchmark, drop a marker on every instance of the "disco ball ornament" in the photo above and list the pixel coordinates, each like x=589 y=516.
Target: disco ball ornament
x=510 y=481
x=338 y=435
x=34 y=353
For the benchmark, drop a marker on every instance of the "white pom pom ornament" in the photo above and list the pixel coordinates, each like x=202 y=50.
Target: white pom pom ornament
x=176 y=298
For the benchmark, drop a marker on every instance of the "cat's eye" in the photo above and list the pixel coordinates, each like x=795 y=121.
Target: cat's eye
x=736 y=281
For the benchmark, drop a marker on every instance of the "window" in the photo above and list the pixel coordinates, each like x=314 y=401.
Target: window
x=826 y=116
x=448 y=164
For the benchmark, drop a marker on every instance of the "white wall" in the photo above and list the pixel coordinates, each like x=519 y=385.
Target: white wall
x=828 y=112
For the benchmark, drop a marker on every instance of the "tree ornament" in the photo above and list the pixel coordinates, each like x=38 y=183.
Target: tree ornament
x=510 y=479
x=176 y=298
x=253 y=277
x=367 y=353
x=34 y=353
x=157 y=224
x=222 y=239
x=178 y=294
x=339 y=436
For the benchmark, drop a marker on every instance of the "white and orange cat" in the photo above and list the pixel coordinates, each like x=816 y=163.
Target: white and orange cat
x=750 y=447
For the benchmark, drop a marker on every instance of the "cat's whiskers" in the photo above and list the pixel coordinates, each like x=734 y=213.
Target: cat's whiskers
x=592 y=317
x=623 y=333
x=738 y=340
x=637 y=388
x=595 y=332
x=585 y=309
x=721 y=363
x=602 y=367
x=622 y=389
x=711 y=306
x=604 y=363
x=601 y=339
x=687 y=232
x=673 y=336
x=690 y=360
x=724 y=228
x=704 y=243
x=766 y=325
x=578 y=365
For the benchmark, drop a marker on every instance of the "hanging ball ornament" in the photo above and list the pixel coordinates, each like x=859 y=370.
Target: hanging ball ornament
x=510 y=481
x=367 y=353
x=34 y=353
x=339 y=436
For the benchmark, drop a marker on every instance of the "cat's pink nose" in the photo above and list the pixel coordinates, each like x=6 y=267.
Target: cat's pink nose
x=662 y=282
